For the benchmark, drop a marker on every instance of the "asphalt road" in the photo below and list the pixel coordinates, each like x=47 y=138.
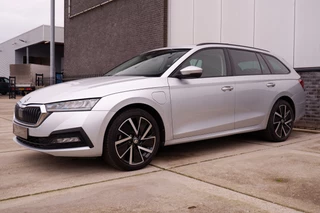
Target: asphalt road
x=241 y=173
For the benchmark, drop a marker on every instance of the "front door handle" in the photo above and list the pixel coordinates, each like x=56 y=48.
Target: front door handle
x=227 y=88
x=271 y=84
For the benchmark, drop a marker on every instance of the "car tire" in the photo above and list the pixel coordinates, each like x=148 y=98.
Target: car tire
x=280 y=122
x=132 y=140
x=3 y=93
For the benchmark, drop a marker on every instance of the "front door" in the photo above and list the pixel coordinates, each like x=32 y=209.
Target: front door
x=203 y=105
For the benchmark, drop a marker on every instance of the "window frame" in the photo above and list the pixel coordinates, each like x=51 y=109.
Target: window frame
x=252 y=51
x=270 y=72
x=270 y=65
x=175 y=73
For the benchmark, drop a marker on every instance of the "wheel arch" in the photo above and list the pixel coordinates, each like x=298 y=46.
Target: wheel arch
x=146 y=108
x=290 y=101
x=284 y=97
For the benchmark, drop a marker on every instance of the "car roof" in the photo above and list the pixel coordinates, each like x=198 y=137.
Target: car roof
x=232 y=46
x=209 y=44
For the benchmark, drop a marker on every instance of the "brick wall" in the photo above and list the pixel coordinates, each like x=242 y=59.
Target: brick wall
x=100 y=39
x=311 y=120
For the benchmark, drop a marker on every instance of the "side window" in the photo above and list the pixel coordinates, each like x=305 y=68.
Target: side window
x=264 y=66
x=245 y=62
x=6 y=80
x=1 y=80
x=277 y=66
x=212 y=62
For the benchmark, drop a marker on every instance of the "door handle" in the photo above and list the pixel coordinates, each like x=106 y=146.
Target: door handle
x=227 y=88
x=271 y=84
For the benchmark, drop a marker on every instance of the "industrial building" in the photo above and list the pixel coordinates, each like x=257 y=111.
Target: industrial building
x=31 y=50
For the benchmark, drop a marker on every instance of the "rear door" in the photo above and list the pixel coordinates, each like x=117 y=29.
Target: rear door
x=255 y=88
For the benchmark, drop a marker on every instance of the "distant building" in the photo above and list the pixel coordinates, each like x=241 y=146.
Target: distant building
x=34 y=43
x=102 y=33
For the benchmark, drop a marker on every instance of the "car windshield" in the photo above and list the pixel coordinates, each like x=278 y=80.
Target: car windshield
x=150 y=64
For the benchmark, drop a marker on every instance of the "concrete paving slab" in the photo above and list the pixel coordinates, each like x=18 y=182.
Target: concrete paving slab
x=190 y=153
x=28 y=172
x=5 y=126
x=8 y=117
x=155 y=192
x=312 y=145
x=5 y=123
x=7 y=144
x=295 y=137
x=287 y=177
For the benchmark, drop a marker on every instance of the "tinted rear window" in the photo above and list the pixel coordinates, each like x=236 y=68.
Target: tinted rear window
x=245 y=62
x=276 y=66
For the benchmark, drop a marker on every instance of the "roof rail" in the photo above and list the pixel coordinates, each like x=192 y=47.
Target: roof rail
x=237 y=45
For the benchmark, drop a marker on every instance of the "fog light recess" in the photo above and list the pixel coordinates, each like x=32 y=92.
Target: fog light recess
x=67 y=140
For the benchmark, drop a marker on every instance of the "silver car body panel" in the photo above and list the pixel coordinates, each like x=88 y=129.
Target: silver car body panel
x=190 y=109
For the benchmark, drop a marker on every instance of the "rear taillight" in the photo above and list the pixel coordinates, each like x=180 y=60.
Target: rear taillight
x=301 y=83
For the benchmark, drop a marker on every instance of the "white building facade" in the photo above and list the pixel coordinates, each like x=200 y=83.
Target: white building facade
x=289 y=28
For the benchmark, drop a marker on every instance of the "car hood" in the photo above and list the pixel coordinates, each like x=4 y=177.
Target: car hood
x=91 y=88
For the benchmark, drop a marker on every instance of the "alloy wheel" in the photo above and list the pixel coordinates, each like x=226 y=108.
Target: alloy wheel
x=136 y=140
x=282 y=121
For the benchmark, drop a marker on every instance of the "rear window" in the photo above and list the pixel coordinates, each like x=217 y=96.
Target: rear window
x=245 y=62
x=276 y=66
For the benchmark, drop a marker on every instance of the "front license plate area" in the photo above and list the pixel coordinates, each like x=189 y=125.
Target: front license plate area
x=20 y=131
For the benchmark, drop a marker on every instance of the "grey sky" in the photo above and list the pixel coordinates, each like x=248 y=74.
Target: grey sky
x=19 y=16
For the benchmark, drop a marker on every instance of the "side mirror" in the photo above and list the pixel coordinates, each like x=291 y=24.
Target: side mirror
x=191 y=71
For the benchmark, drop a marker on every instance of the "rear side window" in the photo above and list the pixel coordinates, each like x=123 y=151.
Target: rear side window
x=276 y=66
x=245 y=62
x=6 y=80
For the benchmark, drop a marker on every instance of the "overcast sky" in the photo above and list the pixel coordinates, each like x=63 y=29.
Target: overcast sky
x=19 y=16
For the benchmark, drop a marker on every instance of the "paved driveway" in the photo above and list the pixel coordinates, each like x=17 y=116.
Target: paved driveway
x=232 y=174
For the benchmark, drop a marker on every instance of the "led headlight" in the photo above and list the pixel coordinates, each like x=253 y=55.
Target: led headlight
x=76 y=105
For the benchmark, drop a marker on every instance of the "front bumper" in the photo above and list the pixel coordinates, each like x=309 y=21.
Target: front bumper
x=88 y=126
x=57 y=140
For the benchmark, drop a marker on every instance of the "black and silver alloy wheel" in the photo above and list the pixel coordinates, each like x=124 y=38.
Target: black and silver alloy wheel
x=132 y=140
x=136 y=140
x=280 y=122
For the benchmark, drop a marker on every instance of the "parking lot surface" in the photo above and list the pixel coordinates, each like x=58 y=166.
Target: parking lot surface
x=242 y=173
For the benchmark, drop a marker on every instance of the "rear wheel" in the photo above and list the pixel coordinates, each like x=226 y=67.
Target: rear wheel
x=132 y=140
x=3 y=93
x=280 y=122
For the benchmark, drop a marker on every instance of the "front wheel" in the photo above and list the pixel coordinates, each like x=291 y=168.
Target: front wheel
x=280 y=122
x=132 y=140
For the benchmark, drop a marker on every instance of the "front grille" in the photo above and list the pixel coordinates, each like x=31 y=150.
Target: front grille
x=29 y=115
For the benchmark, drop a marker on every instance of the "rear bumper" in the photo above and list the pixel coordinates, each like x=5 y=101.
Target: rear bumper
x=300 y=111
x=299 y=100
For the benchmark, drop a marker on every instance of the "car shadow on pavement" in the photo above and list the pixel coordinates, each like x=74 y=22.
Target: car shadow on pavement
x=188 y=152
x=66 y=164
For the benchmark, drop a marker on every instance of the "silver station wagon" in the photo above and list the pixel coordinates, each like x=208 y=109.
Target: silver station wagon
x=163 y=97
